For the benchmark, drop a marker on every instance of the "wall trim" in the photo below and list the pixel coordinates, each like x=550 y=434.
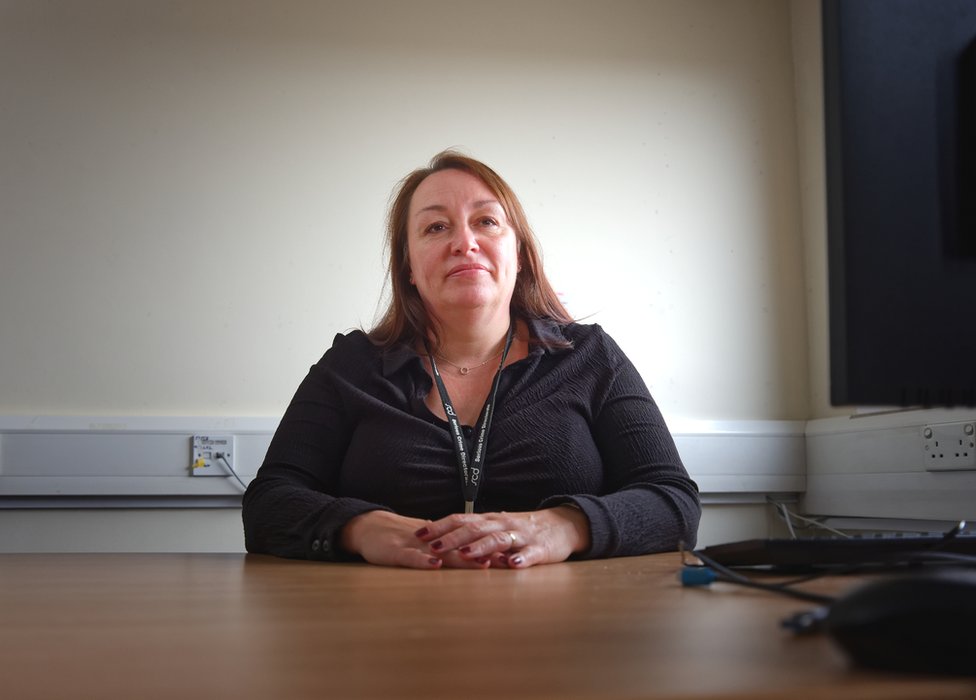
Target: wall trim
x=144 y=461
x=864 y=465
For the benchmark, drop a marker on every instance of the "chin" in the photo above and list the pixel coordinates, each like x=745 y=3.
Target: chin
x=471 y=298
x=472 y=304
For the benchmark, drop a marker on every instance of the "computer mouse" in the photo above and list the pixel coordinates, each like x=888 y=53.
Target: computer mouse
x=922 y=622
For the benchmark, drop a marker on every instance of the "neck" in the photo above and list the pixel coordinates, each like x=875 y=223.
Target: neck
x=468 y=341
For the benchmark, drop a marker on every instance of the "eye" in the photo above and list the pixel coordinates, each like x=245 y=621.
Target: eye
x=436 y=227
x=488 y=221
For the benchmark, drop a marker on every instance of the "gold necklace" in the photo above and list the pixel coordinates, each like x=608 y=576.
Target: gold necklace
x=464 y=370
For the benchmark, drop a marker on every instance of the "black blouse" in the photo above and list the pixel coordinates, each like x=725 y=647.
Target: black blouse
x=571 y=425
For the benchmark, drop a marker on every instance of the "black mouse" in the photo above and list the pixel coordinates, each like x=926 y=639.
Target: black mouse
x=922 y=622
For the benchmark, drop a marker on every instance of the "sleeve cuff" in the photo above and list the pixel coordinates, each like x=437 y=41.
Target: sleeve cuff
x=599 y=534
x=322 y=542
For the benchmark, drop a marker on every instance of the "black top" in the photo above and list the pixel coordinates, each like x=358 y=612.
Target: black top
x=572 y=425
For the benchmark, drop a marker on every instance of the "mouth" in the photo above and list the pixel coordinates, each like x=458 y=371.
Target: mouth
x=466 y=269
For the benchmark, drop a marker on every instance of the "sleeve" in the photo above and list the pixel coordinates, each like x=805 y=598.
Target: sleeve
x=288 y=509
x=649 y=504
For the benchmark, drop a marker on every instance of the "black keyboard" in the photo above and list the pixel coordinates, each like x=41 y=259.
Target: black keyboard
x=822 y=552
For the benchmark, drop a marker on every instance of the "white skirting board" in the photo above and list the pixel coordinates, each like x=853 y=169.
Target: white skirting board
x=124 y=462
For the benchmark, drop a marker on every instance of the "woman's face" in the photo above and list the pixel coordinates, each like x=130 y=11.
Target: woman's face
x=462 y=250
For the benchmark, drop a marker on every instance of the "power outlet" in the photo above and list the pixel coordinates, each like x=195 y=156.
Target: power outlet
x=949 y=446
x=207 y=453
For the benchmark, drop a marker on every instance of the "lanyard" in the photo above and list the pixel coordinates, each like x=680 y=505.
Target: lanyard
x=470 y=467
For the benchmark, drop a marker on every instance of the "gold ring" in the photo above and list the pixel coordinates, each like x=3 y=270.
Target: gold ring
x=514 y=540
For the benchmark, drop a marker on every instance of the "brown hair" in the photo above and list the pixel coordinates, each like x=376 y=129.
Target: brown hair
x=405 y=319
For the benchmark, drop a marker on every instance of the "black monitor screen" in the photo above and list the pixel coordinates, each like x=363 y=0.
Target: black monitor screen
x=900 y=129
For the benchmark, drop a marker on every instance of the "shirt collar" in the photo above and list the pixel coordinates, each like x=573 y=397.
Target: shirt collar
x=397 y=357
x=547 y=334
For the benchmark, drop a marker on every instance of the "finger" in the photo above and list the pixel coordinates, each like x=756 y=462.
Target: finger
x=524 y=558
x=435 y=529
x=411 y=558
x=452 y=560
x=469 y=532
x=494 y=542
x=500 y=560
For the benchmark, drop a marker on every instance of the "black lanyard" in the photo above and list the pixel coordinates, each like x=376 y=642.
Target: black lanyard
x=470 y=468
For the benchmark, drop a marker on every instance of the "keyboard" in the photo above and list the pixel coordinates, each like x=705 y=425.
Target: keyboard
x=824 y=552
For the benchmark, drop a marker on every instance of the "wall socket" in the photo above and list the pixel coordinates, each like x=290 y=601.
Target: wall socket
x=949 y=446
x=204 y=457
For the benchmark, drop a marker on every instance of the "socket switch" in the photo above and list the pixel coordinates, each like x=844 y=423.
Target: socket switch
x=949 y=446
x=207 y=453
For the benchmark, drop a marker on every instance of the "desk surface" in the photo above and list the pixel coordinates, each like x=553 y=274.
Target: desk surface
x=236 y=626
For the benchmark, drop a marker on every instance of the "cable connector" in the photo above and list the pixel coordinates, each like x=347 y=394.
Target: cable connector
x=697 y=576
x=807 y=621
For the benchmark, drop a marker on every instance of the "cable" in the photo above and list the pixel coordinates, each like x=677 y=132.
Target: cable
x=701 y=575
x=936 y=556
x=228 y=467
x=812 y=621
x=784 y=513
x=954 y=530
x=723 y=573
x=789 y=516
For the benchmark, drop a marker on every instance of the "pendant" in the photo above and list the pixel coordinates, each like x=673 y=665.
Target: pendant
x=463 y=370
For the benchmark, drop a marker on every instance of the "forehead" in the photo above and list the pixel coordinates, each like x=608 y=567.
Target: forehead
x=450 y=188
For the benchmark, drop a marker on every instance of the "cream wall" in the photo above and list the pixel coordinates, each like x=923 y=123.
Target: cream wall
x=193 y=193
x=192 y=198
x=808 y=67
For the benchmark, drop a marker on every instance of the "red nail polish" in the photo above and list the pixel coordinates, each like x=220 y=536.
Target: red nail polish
x=421 y=532
x=437 y=545
x=516 y=561
x=434 y=561
x=465 y=549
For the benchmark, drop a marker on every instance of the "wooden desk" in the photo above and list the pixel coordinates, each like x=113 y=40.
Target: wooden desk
x=233 y=626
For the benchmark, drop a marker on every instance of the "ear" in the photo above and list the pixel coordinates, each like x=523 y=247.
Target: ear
x=405 y=263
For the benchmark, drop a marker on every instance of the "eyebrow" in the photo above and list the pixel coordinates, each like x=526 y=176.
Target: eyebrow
x=477 y=205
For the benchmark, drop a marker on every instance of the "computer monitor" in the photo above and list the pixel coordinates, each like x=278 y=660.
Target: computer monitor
x=900 y=107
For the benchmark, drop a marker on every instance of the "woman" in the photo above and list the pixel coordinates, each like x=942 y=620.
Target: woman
x=476 y=426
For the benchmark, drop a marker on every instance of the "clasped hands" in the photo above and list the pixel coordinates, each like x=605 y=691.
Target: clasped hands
x=468 y=541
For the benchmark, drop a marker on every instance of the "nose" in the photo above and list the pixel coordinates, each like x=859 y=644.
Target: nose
x=464 y=240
